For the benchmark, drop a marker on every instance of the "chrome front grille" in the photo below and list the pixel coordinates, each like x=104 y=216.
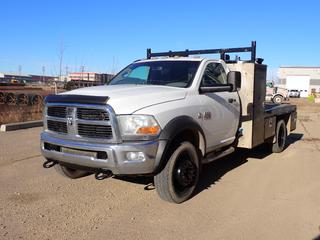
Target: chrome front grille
x=56 y=126
x=92 y=114
x=95 y=131
x=82 y=122
x=60 y=112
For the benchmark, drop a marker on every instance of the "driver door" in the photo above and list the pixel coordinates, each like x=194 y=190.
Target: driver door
x=220 y=110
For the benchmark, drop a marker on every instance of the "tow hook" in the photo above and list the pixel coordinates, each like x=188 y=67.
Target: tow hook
x=49 y=163
x=103 y=174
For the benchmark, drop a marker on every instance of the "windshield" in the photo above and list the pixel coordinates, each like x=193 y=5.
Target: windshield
x=166 y=73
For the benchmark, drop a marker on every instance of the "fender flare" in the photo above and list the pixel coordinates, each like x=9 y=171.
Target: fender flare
x=175 y=127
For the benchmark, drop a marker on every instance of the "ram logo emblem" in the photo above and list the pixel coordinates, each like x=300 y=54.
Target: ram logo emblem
x=69 y=121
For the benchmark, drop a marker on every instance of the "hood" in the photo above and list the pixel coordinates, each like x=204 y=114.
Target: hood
x=127 y=99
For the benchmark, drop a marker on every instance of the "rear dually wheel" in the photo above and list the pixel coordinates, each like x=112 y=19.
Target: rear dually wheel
x=280 y=137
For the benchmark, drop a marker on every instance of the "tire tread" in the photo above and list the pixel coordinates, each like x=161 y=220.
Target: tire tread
x=162 y=180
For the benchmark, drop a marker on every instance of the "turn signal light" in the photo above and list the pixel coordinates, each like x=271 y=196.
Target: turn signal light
x=152 y=130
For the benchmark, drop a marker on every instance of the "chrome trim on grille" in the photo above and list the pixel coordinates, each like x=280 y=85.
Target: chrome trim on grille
x=72 y=122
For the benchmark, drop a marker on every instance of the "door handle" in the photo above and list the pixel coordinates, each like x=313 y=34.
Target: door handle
x=231 y=100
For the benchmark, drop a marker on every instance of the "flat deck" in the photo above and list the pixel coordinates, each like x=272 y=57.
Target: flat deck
x=273 y=109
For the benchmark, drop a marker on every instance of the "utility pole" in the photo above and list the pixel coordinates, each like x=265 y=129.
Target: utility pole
x=43 y=72
x=82 y=71
x=19 y=70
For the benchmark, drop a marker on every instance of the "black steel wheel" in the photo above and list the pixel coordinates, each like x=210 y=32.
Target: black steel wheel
x=177 y=181
x=184 y=173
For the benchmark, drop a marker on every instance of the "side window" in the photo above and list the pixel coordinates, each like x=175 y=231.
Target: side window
x=214 y=74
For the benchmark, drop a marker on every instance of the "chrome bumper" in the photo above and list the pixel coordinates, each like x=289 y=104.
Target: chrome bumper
x=116 y=160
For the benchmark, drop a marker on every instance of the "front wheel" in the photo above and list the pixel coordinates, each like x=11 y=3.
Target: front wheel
x=177 y=181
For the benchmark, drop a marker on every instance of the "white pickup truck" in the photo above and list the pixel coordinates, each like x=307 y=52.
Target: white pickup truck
x=164 y=116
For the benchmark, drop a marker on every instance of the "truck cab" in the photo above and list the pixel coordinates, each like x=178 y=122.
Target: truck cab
x=163 y=116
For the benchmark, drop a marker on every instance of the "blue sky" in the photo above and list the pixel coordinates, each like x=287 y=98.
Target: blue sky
x=102 y=35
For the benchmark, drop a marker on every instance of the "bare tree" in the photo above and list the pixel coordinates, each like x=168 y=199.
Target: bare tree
x=20 y=70
x=113 y=69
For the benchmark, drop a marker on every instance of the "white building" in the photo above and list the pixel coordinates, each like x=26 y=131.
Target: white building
x=300 y=78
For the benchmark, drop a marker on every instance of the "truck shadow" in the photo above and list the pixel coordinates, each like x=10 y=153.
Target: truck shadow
x=293 y=137
x=213 y=172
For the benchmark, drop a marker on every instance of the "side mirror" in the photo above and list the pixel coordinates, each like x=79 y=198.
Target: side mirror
x=234 y=79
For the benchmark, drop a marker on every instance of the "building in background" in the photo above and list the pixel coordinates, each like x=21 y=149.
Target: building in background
x=42 y=79
x=14 y=78
x=90 y=77
x=27 y=79
x=84 y=76
x=304 y=79
x=86 y=79
x=77 y=79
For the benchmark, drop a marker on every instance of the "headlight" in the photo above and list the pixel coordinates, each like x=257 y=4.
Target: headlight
x=138 y=127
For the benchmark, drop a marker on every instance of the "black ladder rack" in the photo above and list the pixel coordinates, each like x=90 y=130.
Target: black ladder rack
x=221 y=51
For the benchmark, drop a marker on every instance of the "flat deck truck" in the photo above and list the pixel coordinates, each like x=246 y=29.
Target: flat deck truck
x=165 y=116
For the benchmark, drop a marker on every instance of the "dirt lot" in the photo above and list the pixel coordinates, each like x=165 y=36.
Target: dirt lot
x=249 y=195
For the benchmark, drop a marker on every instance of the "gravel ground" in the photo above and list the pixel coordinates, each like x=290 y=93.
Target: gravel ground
x=248 y=195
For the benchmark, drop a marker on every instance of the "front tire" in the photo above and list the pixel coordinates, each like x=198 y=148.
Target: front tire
x=177 y=181
x=70 y=172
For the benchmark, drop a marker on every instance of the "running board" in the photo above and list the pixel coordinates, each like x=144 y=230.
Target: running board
x=214 y=156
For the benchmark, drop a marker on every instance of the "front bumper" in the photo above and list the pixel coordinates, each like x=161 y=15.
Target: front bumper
x=116 y=160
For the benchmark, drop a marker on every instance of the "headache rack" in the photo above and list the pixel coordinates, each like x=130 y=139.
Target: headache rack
x=222 y=51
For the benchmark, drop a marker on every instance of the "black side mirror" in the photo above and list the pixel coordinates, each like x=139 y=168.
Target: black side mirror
x=234 y=79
